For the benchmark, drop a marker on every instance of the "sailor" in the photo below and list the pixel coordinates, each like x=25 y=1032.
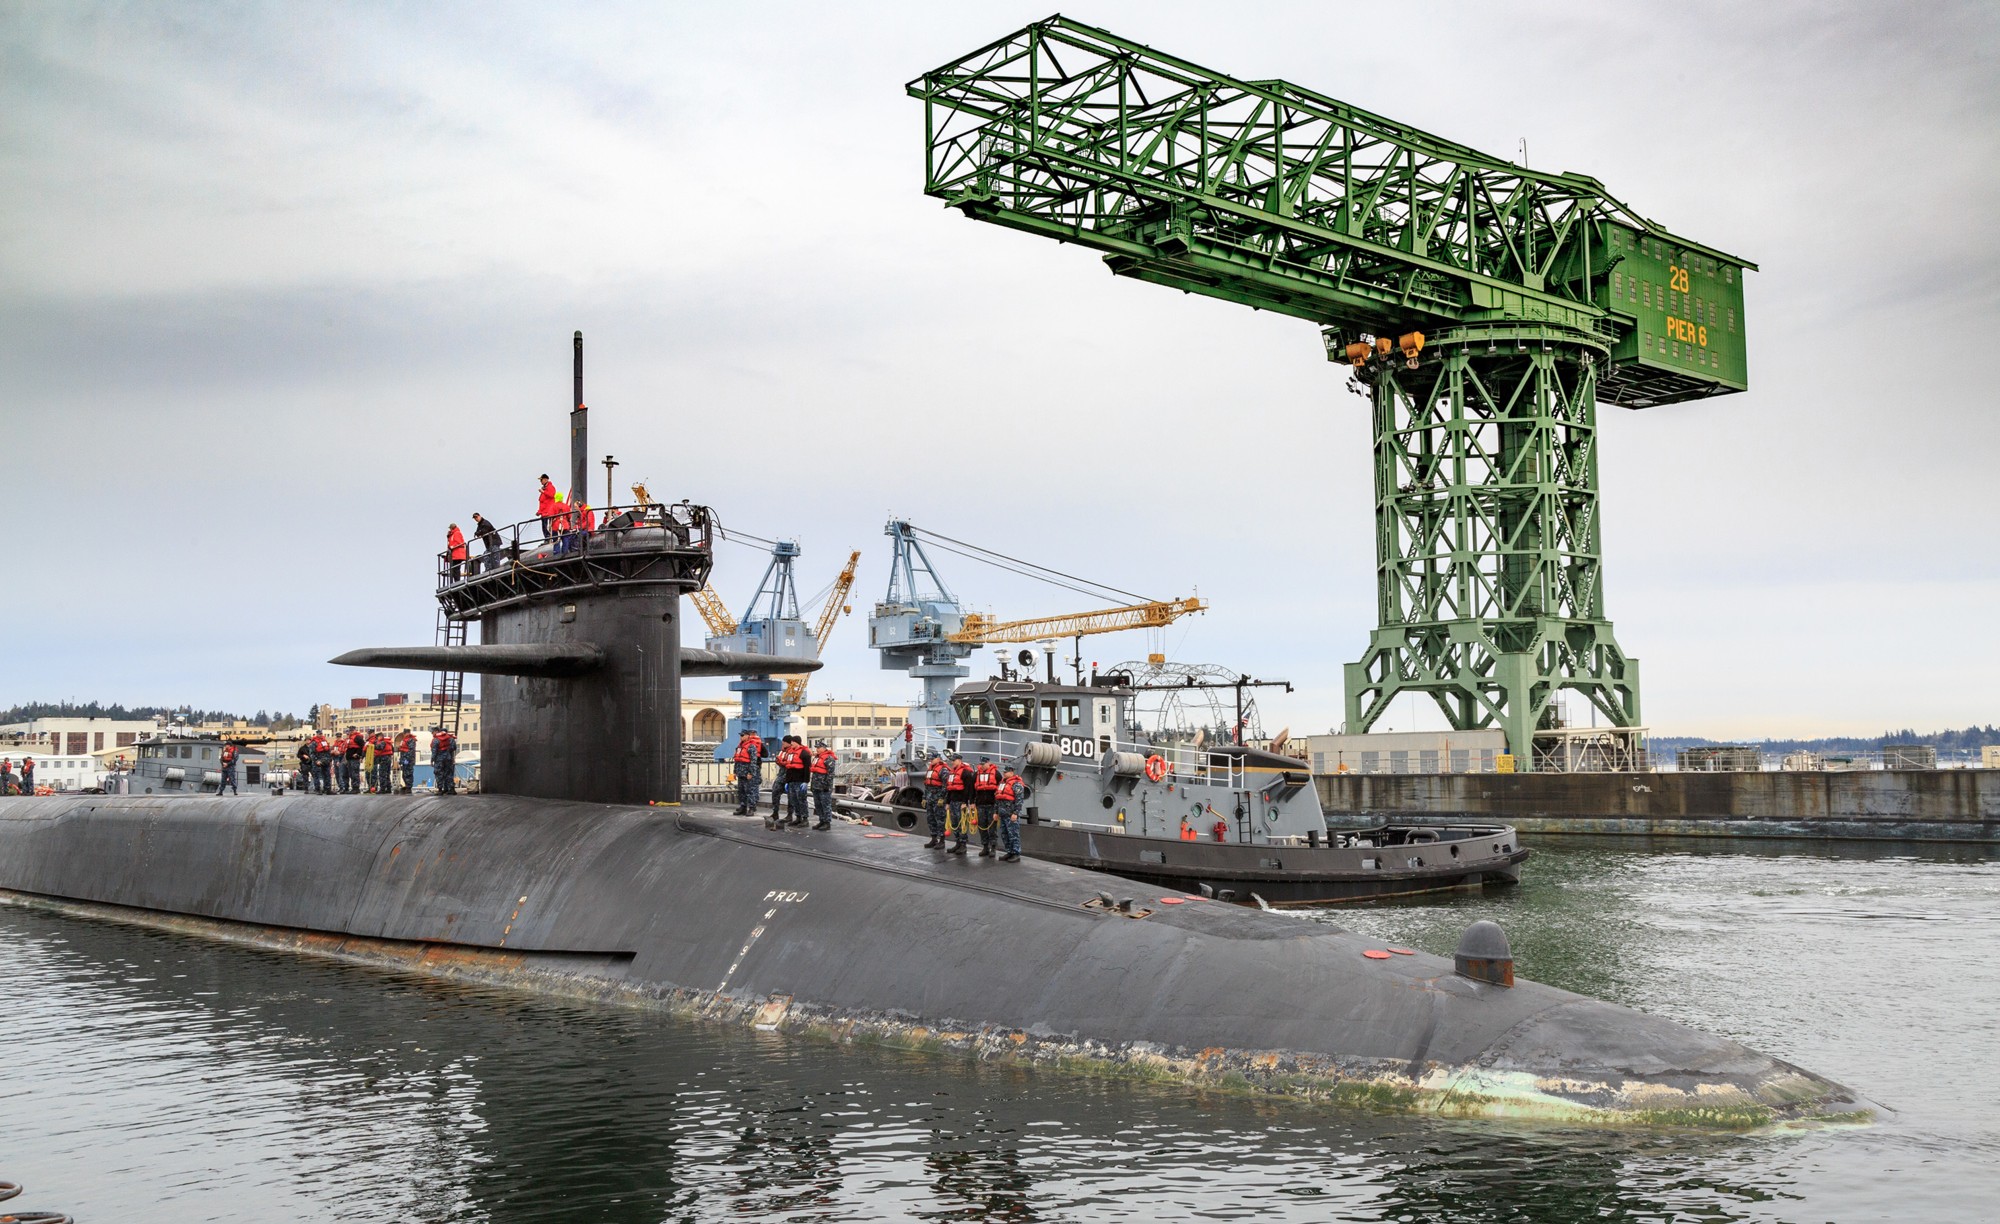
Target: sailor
x=228 y=771
x=444 y=760
x=7 y=776
x=798 y=769
x=322 y=775
x=368 y=763
x=302 y=777
x=985 y=782
x=559 y=526
x=545 y=503
x=357 y=747
x=406 y=759
x=749 y=755
x=489 y=540
x=384 y=753
x=777 y=781
x=27 y=775
x=934 y=801
x=1008 y=797
x=957 y=784
x=454 y=547
x=821 y=783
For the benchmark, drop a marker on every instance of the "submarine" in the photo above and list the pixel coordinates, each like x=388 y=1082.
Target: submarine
x=578 y=871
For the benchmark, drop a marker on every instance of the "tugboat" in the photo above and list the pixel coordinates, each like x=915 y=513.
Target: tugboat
x=1224 y=821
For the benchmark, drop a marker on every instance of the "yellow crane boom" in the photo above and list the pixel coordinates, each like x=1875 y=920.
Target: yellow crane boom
x=981 y=630
x=713 y=611
x=836 y=606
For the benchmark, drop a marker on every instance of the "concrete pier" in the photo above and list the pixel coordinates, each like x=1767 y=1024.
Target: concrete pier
x=1947 y=805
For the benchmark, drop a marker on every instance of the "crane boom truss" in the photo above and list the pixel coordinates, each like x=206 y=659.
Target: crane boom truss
x=1281 y=198
x=982 y=630
x=836 y=603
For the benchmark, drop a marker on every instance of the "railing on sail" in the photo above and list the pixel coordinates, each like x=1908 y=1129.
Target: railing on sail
x=448 y=687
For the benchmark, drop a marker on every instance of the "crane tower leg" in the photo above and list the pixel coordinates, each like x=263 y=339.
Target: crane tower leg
x=1489 y=571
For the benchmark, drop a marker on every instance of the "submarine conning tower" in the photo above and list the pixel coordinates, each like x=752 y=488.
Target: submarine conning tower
x=579 y=649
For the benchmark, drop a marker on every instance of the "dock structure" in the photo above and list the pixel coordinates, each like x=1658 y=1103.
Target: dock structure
x=1945 y=805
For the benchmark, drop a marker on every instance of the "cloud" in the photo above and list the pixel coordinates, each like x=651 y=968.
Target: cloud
x=284 y=288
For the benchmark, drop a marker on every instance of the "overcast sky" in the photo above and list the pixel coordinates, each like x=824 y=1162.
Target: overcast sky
x=286 y=287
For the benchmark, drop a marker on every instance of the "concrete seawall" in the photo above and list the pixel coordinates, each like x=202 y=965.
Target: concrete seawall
x=1956 y=805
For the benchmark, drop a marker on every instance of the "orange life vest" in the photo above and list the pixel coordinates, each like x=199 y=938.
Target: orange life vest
x=749 y=748
x=955 y=776
x=988 y=777
x=1007 y=785
x=934 y=776
x=823 y=761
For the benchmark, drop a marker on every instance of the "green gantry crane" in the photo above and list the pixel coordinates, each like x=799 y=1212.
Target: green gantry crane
x=1484 y=308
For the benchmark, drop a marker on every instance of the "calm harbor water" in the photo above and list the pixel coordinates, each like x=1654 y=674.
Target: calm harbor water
x=160 y=1078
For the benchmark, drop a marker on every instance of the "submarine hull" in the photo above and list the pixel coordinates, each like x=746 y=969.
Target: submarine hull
x=860 y=934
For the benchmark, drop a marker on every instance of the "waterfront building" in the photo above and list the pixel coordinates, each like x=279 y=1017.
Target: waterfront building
x=857 y=730
x=391 y=713
x=1407 y=752
x=76 y=736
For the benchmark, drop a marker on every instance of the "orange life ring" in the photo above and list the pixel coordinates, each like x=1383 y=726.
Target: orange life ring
x=1156 y=767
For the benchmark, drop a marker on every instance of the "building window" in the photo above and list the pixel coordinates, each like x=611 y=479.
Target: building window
x=126 y=739
x=813 y=721
x=1427 y=761
x=1371 y=762
x=846 y=722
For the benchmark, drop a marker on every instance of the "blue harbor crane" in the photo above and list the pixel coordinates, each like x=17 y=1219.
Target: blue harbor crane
x=913 y=626
x=920 y=628
x=770 y=625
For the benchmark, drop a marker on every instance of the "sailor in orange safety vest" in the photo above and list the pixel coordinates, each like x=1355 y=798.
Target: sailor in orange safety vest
x=1008 y=797
x=385 y=753
x=444 y=761
x=957 y=799
x=322 y=766
x=228 y=771
x=985 y=783
x=749 y=755
x=934 y=801
x=820 y=782
x=797 y=763
x=406 y=759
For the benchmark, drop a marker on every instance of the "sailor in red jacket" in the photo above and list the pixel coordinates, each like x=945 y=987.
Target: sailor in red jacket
x=957 y=799
x=228 y=771
x=385 y=752
x=454 y=548
x=985 y=782
x=406 y=759
x=1008 y=797
x=820 y=782
x=749 y=755
x=934 y=801
x=545 y=503
x=444 y=761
